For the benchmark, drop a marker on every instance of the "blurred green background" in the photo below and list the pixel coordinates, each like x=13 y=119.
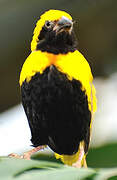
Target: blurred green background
x=96 y=30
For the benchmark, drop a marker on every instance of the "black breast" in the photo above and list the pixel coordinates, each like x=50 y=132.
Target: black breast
x=57 y=111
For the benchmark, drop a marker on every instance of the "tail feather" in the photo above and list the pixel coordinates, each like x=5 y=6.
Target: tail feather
x=71 y=159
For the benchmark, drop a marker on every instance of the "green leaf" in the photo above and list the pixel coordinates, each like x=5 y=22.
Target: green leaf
x=113 y=178
x=103 y=157
x=104 y=174
x=11 y=168
x=66 y=173
x=46 y=167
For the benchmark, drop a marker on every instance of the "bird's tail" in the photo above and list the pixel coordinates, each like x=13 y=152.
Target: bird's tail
x=71 y=159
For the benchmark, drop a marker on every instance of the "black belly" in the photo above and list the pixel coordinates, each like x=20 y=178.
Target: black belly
x=57 y=111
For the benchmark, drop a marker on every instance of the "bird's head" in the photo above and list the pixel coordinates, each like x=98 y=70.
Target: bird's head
x=54 y=33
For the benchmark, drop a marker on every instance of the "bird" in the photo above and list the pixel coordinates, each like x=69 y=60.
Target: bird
x=57 y=90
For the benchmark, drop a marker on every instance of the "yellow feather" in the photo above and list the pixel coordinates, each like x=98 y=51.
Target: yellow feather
x=73 y=64
x=71 y=159
x=50 y=15
x=36 y=62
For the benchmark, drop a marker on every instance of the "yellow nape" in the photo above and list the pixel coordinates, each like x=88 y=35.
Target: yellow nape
x=50 y=15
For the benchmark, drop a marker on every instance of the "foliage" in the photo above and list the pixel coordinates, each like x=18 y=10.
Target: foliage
x=45 y=166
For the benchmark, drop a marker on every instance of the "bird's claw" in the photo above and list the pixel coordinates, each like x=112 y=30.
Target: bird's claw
x=77 y=164
x=15 y=155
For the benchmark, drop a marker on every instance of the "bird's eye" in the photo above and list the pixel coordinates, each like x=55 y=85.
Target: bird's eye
x=48 y=24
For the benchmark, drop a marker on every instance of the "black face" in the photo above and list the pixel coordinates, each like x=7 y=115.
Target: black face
x=57 y=37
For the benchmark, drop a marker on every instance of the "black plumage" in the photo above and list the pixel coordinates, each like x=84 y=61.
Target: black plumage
x=61 y=43
x=57 y=111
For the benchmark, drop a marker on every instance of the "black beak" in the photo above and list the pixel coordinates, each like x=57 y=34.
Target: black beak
x=64 y=24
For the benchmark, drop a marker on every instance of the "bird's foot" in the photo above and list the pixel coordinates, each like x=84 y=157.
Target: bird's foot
x=14 y=155
x=27 y=155
x=77 y=164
